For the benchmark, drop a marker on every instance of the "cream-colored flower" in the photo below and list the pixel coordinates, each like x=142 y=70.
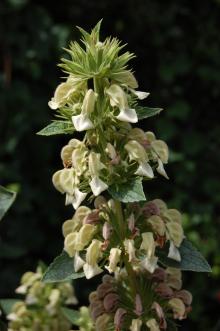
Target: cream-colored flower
x=175 y=233
x=130 y=249
x=137 y=152
x=114 y=259
x=64 y=92
x=148 y=245
x=82 y=121
x=118 y=99
x=70 y=243
x=174 y=278
x=153 y=325
x=136 y=324
x=94 y=252
x=178 y=308
x=84 y=236
x=161 y=149
x=173 y=215
x=95 y=166
x=91 y=271
x=157 y=224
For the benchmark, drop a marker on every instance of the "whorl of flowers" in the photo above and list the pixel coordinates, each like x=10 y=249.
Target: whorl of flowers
x=123 y=237
x=41 y=308
x=159 y=299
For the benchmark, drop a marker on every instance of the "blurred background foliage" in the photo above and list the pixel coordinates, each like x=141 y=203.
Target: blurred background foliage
x=178 y=61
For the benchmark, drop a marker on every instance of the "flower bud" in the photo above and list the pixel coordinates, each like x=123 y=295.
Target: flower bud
x=119 y=317
x=174 y=278
x=138 y=305
x=105 y=288
x=160 y=313
x=102 y=322
x=185 y=296
x=99 y=202
x=150 y=208
x=178 y=308
x=173 y=215
x=111 y=302
x=161 y=149
x=157 y=224
x=164 y=291
x=160 y=204
x=175 y=231
x=106 y=230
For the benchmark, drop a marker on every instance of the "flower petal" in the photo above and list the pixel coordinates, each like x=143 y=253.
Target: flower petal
x=145 y=169
x=91 y=271
x=174 y=252
x=127 y=115
x=161 y=170
x=141 y=95
x=97 y=186
x=78 y=262
x=149 y=264
x=82 y=122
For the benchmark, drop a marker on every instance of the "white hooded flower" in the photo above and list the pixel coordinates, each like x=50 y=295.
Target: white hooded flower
x=118 y=99
x=64 y=91
x=153 y=325
x=136 y=324
x=130 y=249
x=137 y=152
x=148 y=245
x=114 y=259
x=95 y=166
x=82 y=121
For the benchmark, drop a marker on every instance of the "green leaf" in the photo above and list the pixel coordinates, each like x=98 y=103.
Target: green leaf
x=6 y=199
x=61 y=270
x=191 y=259
x=72 y=315
x=7 y=305
x=57 y=127
x=128 y=192
x=145 y=112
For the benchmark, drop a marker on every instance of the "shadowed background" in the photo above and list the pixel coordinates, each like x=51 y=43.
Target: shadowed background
x=178 y=61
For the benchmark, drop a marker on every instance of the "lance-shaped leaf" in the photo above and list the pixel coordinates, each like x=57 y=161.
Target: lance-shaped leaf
x=145 y=112
x=57 y=127
x=191 y=259
x=72 y=315
x=128 y=192
x=7 y=305
x=6 y=199
x=61 y=270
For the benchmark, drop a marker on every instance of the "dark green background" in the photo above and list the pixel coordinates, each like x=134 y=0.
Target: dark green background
x=178 y=60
